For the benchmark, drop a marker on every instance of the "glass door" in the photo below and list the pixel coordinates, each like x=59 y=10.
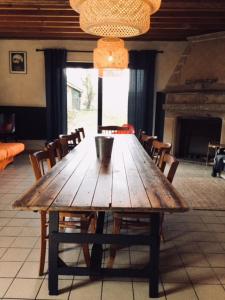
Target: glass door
x=82 y=99
x=93 y=101
x=115 y=88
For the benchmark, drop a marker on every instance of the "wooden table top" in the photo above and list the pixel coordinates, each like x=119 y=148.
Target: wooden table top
x=130 y=182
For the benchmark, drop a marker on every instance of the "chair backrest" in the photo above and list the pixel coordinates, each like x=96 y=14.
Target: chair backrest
x=38 y=161
x=64 y=146
x=81 y=132
x=158 y=148
x=147 y=143
x=55 y=149
x=130 y=127
x=72 y=139
x=112 y=129
x=171 y=162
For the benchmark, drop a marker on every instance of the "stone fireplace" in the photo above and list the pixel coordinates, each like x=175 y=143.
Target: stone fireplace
x=195 y=97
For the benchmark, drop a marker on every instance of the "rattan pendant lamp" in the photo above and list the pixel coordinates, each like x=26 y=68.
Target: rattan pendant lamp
x=113 y=19
x=110 y=54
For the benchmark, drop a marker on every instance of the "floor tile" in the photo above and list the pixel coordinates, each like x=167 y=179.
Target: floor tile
x=216 y=260
x=117 y=290
x=27 y=215
x=202 y=275
x=2 y=251
x=24 y=288
x=141 y=291
x=209 y=292
x=86 y=289
x=4 y=221
x=194 y=259
x=34 y=255
x=29 y=270
x=123 y=258
x=64 y=290
x=188 y=247
x=4 y=285
x=220 y=273
x=19 y=222
x=136 y=258
x=30 y=231
x=70 y=255
x=24 y=242
x=178 y=291
x=170 y=259
x=9 y=269
x=210 y=219
x=6 y=241
x=216 y=227
x=7 y=214
x=10 y=231
x=173 y=275
x=211 y=247
x=15 y=254
x=220 y=236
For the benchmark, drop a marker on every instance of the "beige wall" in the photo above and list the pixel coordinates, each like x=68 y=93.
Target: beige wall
x=29 y=89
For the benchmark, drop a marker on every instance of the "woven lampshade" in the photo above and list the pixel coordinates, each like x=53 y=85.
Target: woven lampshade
x=110 y=54
x=115 y=18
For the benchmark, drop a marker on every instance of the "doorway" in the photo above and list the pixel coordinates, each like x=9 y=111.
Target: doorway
x=82 y=99
x=94 y=101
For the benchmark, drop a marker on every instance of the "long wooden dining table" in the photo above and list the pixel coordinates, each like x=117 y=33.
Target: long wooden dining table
x=129 y=182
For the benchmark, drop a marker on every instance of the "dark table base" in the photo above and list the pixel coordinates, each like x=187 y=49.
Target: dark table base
x=58 y=267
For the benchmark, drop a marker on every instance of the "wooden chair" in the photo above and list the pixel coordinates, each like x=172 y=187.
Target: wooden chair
x=147 y=141
x=158 y=148
x=130 y=127
x=148 y=145
x=112 y=129
x=168 y=165
x=42 y=161
x=64 y=146
x=68 y=142
x=81 y=132
x=55 y=149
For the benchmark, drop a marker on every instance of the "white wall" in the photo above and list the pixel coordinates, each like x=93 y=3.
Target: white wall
x=29 y=89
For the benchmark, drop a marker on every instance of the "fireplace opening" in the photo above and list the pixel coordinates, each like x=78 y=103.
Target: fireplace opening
x=194 y=135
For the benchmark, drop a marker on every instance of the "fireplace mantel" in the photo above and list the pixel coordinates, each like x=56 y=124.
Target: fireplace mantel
x=207 y=110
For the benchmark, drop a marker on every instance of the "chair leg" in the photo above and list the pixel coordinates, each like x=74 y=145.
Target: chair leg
x=84 y=229
x=93 y=223
x=112 y=251
x=43 y=242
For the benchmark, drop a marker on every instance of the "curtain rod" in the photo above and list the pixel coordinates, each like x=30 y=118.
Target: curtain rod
x=80 y=51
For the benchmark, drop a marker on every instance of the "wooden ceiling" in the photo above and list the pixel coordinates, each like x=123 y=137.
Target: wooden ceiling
x=54 y=19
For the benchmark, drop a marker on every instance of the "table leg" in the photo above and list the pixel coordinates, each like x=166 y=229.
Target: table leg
x=53 y=254
x=97 y=249
x=154 y=255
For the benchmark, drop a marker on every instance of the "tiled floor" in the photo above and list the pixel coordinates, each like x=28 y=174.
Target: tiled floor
x=192 y=264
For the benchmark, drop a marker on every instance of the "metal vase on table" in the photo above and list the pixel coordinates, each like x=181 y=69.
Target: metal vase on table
x=104 y=146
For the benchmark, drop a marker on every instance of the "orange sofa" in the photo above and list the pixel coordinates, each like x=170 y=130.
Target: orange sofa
x=8 y=151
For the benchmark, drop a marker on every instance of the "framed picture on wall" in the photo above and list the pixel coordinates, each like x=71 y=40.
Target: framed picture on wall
x=18 y=62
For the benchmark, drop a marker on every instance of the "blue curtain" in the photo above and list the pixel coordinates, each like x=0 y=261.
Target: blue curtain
x=141 y=90
x=56 y=92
